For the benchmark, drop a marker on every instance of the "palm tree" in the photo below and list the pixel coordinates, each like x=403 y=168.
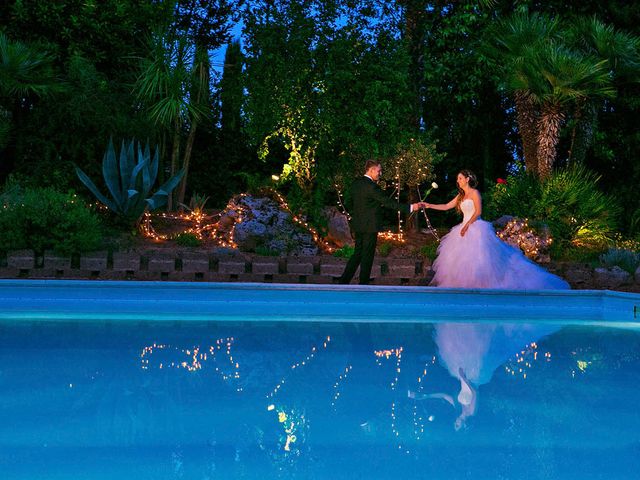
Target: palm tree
x=557 y=78
x=165 y=84
x=622 y=50
x=545 y=77
x=510 y=44
x=24 y=73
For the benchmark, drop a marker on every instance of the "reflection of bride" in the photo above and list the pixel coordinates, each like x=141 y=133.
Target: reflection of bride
x=472 y=352
x=472 y=256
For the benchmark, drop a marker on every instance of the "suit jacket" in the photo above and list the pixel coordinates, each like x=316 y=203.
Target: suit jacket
x=367 y=201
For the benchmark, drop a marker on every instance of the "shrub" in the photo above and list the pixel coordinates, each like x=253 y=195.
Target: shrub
x=129 y=178
x=624 y=259
x=186 y=239
x=344 y=252
x=385 y=248
x=266 y=251
x=569 y=203
x=429 y=250
x=42 y=219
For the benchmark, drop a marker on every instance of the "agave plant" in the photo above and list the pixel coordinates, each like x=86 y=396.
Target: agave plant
x=129 y=179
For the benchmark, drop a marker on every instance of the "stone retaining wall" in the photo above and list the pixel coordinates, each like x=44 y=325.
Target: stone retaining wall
x=224 y=265
x=187 y=265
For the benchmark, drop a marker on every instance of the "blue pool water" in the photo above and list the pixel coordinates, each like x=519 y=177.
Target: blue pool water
x=105 y=393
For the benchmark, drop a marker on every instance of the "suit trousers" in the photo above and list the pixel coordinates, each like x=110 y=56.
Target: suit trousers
x=362 y=256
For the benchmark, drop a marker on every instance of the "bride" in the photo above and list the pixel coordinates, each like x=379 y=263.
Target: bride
x=472 y=256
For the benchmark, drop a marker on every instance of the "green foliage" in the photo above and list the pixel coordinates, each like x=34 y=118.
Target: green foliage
x=429 y=250
x=196 y=203
x=187 y=239
x=129 y=180
x=631 y=244
x=266 y=251
x=344 y=252
x=517 y=197
x=42 y=219
x=569 y=203
x=412 y=164
x=624 y=259
x=384 y=249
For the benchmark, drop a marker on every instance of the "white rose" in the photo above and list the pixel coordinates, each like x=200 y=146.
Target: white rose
x=434 y=185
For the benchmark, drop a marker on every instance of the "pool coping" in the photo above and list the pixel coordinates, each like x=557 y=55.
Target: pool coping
x=65 y=300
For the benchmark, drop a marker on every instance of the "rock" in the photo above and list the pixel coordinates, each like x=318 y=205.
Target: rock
x=637 y=275
x=262 y=223
x=610 y=277
x=578 y=274
x=338 y=231
x=502 y=221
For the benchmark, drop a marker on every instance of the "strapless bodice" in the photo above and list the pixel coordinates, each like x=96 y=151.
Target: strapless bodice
x=468 y=209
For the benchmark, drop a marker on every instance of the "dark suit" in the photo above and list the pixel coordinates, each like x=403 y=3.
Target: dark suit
x=367 y=201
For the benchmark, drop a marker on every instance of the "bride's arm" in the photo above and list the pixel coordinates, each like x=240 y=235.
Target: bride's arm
x=443 y=206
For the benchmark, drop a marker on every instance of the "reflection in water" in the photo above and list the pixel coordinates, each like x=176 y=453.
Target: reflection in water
x=319 y=401
x=472 y=352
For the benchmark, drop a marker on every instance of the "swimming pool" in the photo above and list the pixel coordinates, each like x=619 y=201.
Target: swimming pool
x=103 y=380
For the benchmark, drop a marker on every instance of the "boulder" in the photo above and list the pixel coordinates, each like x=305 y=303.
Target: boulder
x=610 y=277
x=338 y=231
x=637 y=275
x=261 y=222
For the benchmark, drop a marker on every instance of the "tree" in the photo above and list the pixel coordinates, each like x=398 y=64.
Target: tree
x=175 y=79
x=26 y=74
x=545 y=76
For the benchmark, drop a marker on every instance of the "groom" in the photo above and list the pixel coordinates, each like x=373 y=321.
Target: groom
x=367 y=201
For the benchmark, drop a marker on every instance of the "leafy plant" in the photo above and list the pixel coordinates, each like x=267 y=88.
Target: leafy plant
x=196 y=204
x=624 y=259
x=429 y=251
x=187 y=239
x=385 y=248
x=43 y=219
x=344 y=252
x=129 y=179
x=568 y=202
x=266 y=251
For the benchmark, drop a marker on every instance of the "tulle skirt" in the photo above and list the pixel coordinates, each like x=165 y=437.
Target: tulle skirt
x=481 y=260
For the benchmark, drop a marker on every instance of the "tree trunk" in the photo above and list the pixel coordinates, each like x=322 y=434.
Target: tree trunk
x=551 y=119
x=586 y=117
x=174 y=159
x=527 y=118
x=412 y=220
x=186 y=162
x=415 y=12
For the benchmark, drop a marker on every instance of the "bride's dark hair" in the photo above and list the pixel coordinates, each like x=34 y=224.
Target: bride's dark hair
x=473 y=182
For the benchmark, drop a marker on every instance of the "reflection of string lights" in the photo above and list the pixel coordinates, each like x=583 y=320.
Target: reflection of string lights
x=291 y=424
x=387 y=354
x=299 y=364
x=197 y=359
x=524 y=361
x=418 y=421
x=343 y=376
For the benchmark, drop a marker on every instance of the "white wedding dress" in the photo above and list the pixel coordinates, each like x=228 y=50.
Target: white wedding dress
x=479 y=259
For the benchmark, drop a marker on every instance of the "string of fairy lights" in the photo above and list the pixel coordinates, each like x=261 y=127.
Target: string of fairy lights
x=518 y=232
x=204 y=228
